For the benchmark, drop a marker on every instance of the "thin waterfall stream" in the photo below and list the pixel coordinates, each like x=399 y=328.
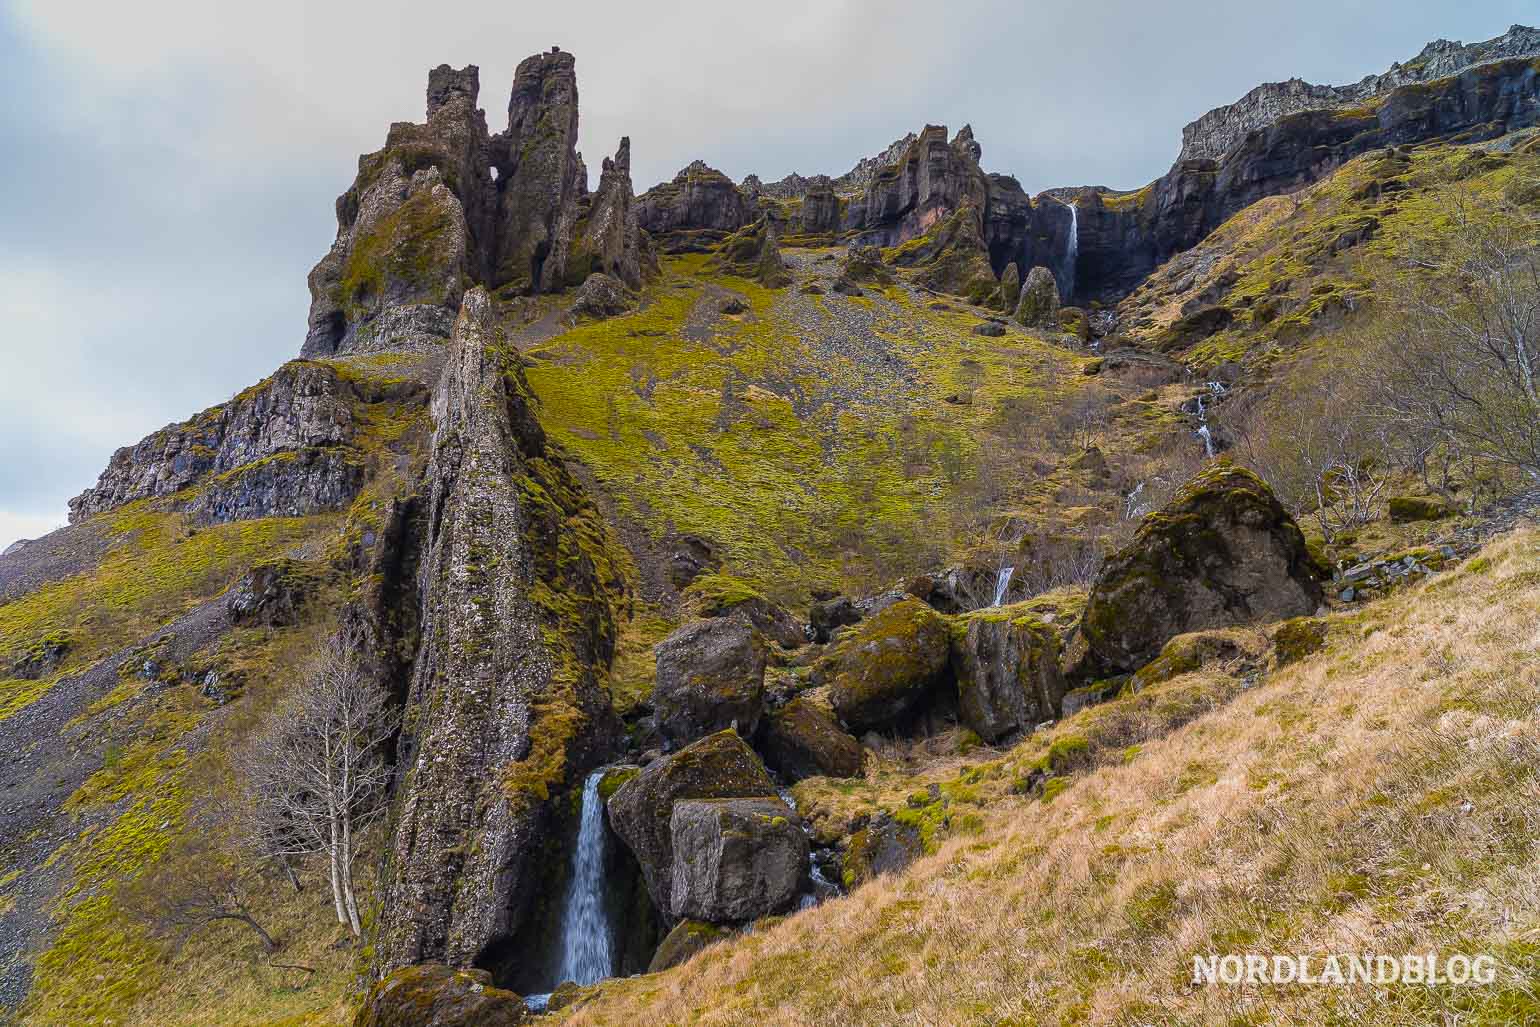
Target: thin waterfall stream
x=587 y=947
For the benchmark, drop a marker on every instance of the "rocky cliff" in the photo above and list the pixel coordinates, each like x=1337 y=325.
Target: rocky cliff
x=1215 y=133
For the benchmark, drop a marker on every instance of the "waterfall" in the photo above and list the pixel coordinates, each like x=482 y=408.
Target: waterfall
x=1072 y=252
x=585 y=932
x=1002 y=582
x=1216 y=389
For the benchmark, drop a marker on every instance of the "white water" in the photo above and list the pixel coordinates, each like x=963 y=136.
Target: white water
x=1217 y=389
x=585 y=932
x=1002 y=582
x=1072 y=254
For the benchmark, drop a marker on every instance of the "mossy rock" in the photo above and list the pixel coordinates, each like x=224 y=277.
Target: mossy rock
x=710 y=676
x=684 y=941
x=1006 y=662
x=721 y=595
x=1187 y=653
x=432 y=995
x=720 y=766
x=614 y=778
x=887 y=666
x=1297 y=638
x=803 y=740
x=1407 y=509
x=885 y=846
x=1038 y=304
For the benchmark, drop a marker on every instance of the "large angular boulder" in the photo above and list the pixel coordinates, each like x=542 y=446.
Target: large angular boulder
x=710 y=676
x=601 y=296
x=720 y=595
x=1038 y=304
x=735 y=859
x=1010 y=287
x=1007 y=666
x=802 y=739
x=1222 y=552
x=720 y=766
x=433 y=995
x=886 y=666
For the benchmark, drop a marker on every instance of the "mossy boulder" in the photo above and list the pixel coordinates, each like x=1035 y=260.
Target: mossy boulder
x=684 y=941
x=864 y=264
x=1297 y=638
x=272 y=594
x=710 y=676
x=433 y=995
x=1223 y=552
x=802 y=739
x=735 y=860
x=884 y=846
x=720 y=595
x=755 y=252
x=1010 y=289
x=1074 y=321
x=601 y=296
x=720 y=766
x=1007 y=666
x=1187 y=653
x=887 y=666
x=1406 y=509
x=1038 y=304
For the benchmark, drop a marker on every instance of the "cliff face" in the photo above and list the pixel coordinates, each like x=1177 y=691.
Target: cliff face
x=425 y=219
x=1215 y=133
x=1124 y=238
x=516 y=621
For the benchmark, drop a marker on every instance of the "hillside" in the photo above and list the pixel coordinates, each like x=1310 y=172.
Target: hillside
x=674 y=607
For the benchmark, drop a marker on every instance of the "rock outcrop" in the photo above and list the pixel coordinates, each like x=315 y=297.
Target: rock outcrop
x=425 y=219
x=1222 y=552
x=504 y=707
x=710 y=676
x=951 y=256
x=686 y=939
x=283 y=447
x=699 y=207
x=609 y=235
x=1037 y=304
x=755 y=252
x=735 y=859
x=720 y=766
x=433 y=995
x=1007 y=667
x=887 y=666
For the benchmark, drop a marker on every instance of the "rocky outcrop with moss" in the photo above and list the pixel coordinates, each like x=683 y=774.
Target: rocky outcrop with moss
x=504 y=708
x=735 y=859
x=888 y=666
x=711 y=676
x=291 y=445
x=951 y=256
x=433 y=995
x=1006 y=661
x=1037 y=303
x=720 y=766
x=755 y=252
x=1222 y=552
x=699 y=207
x=425 y=219
x=802 y=739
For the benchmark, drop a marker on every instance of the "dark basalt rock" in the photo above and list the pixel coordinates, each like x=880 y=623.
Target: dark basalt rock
x=886 y=666
x=600 y=297
x=952 y=257
x=720 y=766
x=1223 y=552
x=433 y=995
x=755 y=252
x=699 y=199
x=1038 y=304
x=610 y=240
x=802 y=739
x=829 y=615
x=280 y=448
x=710 y=676
x=735 y=859
x=684 y=941
x=884 y=846
x=1007 y=668
x=504 y=706
x=272 y=593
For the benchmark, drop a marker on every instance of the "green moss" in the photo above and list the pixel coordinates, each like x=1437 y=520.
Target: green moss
x=612 y=780
x=406 y=249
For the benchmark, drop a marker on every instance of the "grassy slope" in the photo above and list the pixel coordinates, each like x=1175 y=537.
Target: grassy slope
x=1378 y=796
x=1292 y=264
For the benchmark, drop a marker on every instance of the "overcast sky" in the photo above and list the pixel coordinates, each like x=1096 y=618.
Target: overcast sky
x=170 y=165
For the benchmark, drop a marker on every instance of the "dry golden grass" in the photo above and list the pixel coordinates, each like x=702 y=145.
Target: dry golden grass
x=1380 y=796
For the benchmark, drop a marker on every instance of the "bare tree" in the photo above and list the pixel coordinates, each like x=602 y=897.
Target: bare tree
x=316 y=775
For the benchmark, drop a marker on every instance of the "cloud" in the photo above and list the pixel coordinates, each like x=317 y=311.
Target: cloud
x=171 y=164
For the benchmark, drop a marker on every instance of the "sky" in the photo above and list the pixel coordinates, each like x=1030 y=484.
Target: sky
x=170 y=165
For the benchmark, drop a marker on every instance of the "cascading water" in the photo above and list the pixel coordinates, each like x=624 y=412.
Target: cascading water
x=586 y=949
x=1203 y=433
x=1072 y=252
x=1002 y=582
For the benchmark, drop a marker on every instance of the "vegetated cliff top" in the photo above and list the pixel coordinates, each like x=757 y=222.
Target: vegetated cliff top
x=1215 y=132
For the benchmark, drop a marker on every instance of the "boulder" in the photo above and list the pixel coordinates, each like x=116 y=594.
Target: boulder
x=755 y=252
x=883 y=846
x=735 y=859
x=1007 y=665
x=721 y=595
x=830 y=615
x=710 y=676
x=1222 y=552
x=720 y=766
x=887 y=666
x=271 y=594
x=862 y=264
x=1010 y=287
x=690 y=556
x=433 y=995
x=601 y=296
x=802 y=739
x=1038 y=304
x=686 y=939
x=989 y=329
